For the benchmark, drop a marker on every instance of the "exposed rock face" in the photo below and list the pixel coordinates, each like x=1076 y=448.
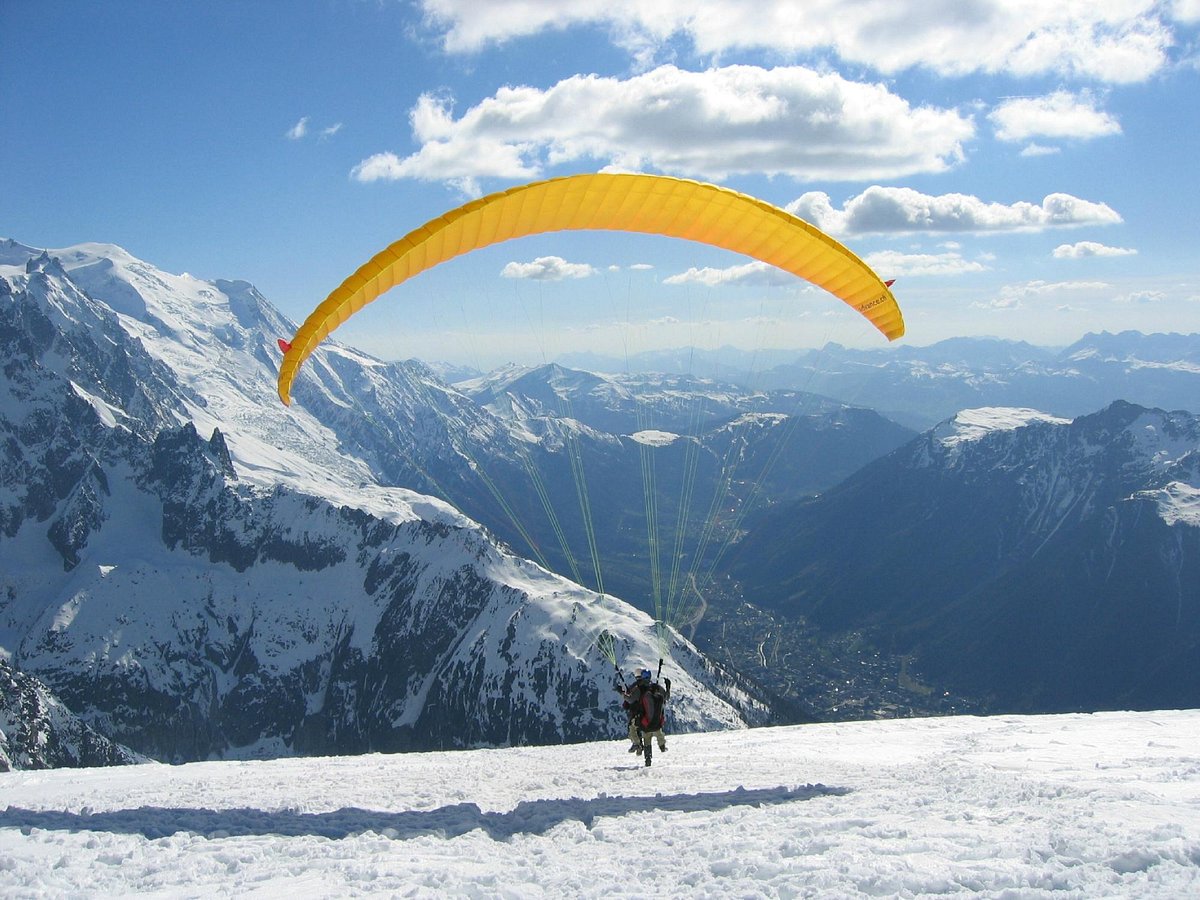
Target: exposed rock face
x=38 y=732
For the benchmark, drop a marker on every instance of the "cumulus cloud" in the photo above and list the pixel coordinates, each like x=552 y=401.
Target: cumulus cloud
x=894 y=264
x=1083 y=249
x=1186 y=10
x=1118 y=41
x=792 y=121
x=547 y=268
x=1058 y=115
x=889 y=209
x=755 y=274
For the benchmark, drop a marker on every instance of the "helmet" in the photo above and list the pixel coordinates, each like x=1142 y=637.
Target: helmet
x=644 y=674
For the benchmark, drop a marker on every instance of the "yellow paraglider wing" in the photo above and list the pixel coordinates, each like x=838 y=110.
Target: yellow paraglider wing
x=652 y=204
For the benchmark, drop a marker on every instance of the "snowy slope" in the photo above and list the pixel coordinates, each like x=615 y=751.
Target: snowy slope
x=358 y=425
x=201 y=572
x=217 y=339
x=1159 y=449
x=1081 y=806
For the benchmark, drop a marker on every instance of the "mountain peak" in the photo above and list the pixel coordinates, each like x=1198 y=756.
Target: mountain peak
x=975 y=424
x=14 y=253
x=50 y=265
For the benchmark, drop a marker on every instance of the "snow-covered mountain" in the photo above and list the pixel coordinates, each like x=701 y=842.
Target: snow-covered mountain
x=816 y=442
x=198 y=572
x=920 y=386
x=494 y=448
x=38 y=732
x=626 y=403
x=1040 y=562
x=720 y=446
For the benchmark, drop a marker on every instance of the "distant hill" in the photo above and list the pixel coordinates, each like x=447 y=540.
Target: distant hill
x=921 y=386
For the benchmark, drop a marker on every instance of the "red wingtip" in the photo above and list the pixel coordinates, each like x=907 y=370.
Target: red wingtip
x=285 y=346
x=889 y=282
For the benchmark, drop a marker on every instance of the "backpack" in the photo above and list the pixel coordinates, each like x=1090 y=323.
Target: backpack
x=654 y=698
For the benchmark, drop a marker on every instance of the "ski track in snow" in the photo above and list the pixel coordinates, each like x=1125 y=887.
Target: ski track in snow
x=1084 y=806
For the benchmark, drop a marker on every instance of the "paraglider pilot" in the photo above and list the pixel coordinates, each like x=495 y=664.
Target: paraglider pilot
x=645 y=703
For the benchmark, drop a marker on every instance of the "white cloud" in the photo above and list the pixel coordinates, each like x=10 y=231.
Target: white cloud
x=1039 y=150
x=998 y=303
x=641 y=267
x=1083 y=249
x=547 y=268
x=1116 y=41
x=1012 y=295
x=887 y=209
x=299 y=130
x=1028 y=288
x=790 y=121
x=894 y=264
x=1058 y=115
x=1141 y=297
x=749 y=274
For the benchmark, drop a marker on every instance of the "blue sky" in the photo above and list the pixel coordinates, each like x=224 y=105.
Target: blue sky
x=1025 y=170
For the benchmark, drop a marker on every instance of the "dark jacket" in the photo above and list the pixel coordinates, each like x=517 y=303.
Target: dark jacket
x=636 y=691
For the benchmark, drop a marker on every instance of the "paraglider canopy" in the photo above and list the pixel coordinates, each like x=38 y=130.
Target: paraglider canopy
x=651 y=204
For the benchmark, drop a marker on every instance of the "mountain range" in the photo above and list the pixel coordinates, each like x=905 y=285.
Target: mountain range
x=1037 y=562
x=920 y=386
x=197 y=572
x=398 y=562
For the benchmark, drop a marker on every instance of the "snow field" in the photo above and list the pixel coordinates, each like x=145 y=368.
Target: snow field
x=1053 y=806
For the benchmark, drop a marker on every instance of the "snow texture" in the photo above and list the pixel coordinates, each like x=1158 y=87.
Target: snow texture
x=653 y=438
x=974 y=424
x=1086 y=806
x=1177 y=503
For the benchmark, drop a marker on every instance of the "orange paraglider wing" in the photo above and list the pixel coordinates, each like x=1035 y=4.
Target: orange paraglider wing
x=652 y=204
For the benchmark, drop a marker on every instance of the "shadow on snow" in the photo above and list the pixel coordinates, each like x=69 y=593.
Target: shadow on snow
x=529 y=817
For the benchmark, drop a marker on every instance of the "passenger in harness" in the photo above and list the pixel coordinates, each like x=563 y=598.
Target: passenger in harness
x=645 y=703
